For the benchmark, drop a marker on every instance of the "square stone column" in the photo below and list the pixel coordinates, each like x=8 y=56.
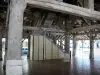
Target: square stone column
x=15 y=29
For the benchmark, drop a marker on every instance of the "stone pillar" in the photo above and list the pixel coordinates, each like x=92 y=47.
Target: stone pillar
x=0 y=44
x=28 y=47
x=15 y=28
x=67 y=48
x=74 y=45
x=91 y=45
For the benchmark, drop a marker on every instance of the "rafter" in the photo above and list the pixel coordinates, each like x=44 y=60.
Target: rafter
x=65 y=8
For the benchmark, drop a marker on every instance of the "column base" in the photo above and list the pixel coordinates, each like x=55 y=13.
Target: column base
x=14 y=67
x=67 y=57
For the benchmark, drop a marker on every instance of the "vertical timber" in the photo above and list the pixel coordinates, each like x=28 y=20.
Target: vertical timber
x=33 y=48
x=91 y=6
x=91 y=45
x=67 y=48
x=74 y=44
x=28 y=47
x=0 y=43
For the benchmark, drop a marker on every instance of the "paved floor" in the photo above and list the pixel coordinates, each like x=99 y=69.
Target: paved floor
x=79 y=66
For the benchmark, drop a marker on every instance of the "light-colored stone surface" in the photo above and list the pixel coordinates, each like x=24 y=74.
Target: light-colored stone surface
x=14 y=67
x=14 y=62
x=15 y=33
x=14 y=70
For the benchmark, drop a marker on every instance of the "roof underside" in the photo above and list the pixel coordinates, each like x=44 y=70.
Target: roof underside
x=37 y=17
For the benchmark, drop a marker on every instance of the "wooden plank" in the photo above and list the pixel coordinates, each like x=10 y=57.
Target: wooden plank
x=65 y=8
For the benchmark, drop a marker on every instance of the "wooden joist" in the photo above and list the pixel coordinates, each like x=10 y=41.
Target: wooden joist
x=85 y=28
x=42 y=29
x=65 y=8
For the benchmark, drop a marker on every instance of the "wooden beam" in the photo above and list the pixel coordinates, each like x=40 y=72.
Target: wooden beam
x=65 y=8
x=85 y=33
x=85 y=28
x=42 y=29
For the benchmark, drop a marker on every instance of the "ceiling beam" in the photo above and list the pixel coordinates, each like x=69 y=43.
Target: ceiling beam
x=59 y=32
x=85 y=28
x=65 y=8
x=42 y=29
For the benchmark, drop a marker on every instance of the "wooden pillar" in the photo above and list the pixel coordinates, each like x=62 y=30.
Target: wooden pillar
x=92 y=36
x=33 y=48
x=15 y=28
x=0 y=43
x=28 y=47
x=74 y=45
x=67 y=48
x=91 y=4
x=67 y=43
x=91 y=45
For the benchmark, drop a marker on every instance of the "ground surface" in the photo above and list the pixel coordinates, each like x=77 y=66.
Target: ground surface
x=80 y=65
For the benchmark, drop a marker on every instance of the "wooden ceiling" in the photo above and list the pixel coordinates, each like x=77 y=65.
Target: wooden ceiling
x=48 y=19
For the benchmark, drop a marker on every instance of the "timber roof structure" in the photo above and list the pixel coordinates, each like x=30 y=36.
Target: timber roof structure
x=53 y=18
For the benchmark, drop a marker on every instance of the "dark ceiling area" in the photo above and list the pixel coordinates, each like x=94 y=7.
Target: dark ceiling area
x=97 y=1
x=3 y=5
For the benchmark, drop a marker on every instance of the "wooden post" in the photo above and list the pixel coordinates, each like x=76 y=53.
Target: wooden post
x=1 y=43
x=67 y=48
x=91 y=4
x=28 y=47
x=74 y=44
x=91 y=45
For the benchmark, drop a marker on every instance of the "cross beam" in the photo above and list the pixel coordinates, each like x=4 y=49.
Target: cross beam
x=42 y=29
x=65 y=8
x=85 y=28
